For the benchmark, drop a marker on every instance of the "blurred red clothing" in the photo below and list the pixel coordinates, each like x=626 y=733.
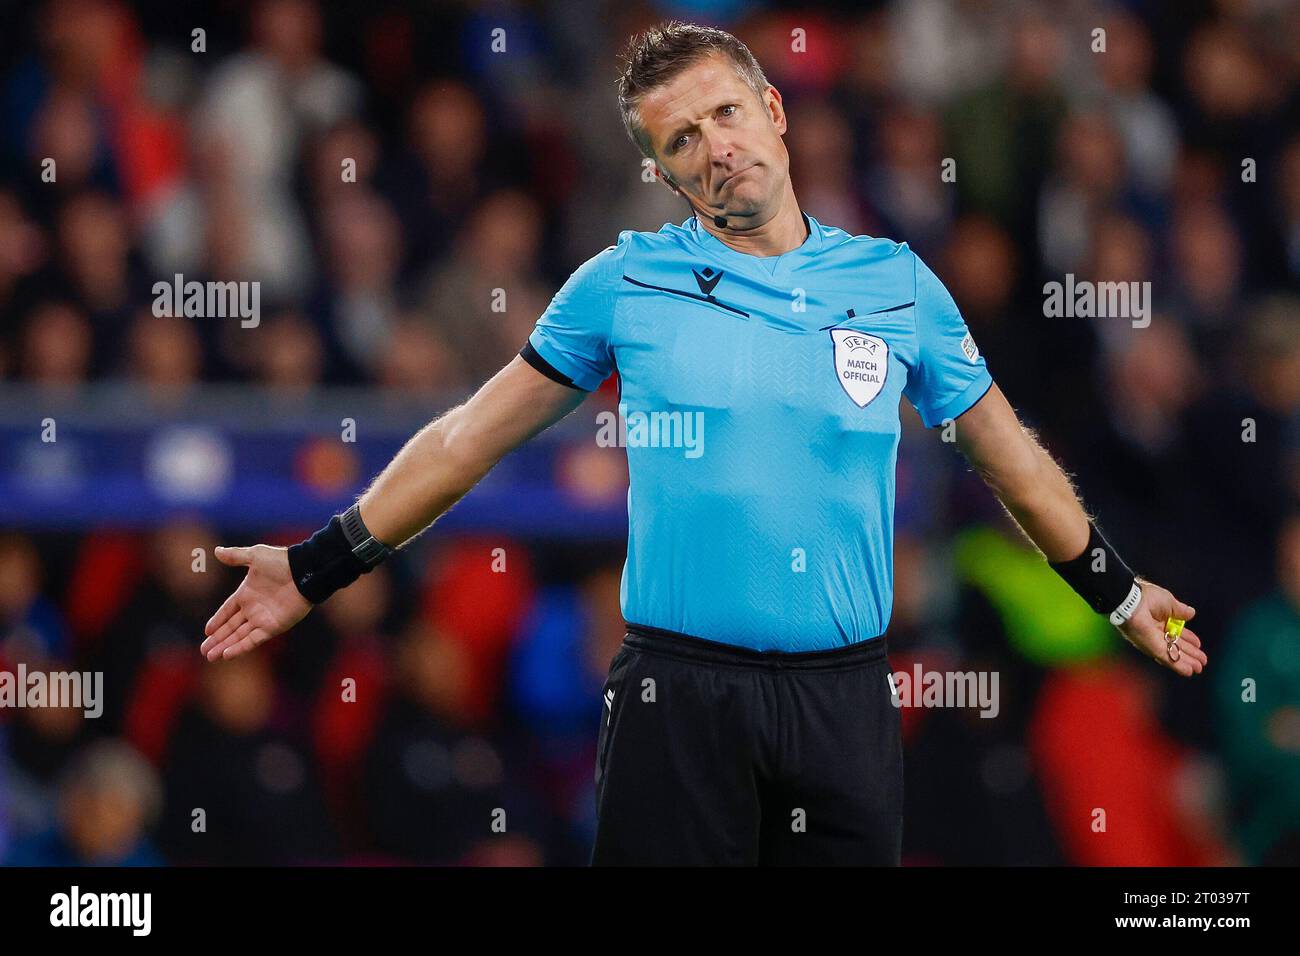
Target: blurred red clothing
x=1098 y=746
x=109 y=567
x=166 y=683
x=481 y=608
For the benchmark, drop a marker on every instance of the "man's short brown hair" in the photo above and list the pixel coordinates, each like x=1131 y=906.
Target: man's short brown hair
x=653 y=58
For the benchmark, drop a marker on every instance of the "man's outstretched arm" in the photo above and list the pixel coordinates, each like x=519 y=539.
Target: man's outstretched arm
x=1041 y=499
x=437 y=467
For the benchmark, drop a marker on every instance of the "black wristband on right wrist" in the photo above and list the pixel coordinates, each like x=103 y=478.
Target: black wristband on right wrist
x=325 y=562
x=1099 y=575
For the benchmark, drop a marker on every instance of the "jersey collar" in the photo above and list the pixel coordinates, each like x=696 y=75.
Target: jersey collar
x=771 y=265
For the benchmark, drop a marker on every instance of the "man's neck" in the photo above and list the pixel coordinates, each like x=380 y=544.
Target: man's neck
x=785 y=231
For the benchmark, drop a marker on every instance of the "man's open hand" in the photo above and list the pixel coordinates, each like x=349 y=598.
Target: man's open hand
x=1145 y=630
x=265 y=604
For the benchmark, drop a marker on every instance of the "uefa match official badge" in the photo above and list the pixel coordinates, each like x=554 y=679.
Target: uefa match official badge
x=861 y=364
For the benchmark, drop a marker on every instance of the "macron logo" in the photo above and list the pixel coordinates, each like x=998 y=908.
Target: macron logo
x=707 y=280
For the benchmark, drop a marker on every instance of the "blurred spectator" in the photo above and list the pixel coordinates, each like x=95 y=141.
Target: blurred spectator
x=1091 y=181
x=434 y=785
x=167 y=609
x=67 y=132
x=31 y=625
x=981 y=267
x=363 y=249
x=346 y=154
x=164 y=355
x=22 y=250
x=437 y=179
x=821 y=162
x=1151 y=381
x=109 y=799
x=56 y=346
x=240 y=790
x=94 y=244
x=902 y=186
x=557 y=669
x=1120 y=251
x=1257 y=693
x=1144 y=120
x=944 y=47
x=417 y=360
x=1229 y=84
x=258 y=109
x=37 y=741
x=1025 y=106
x=1240 y=443
x=488 y=297
x=351 y=684
x=290 y=358
x=1207 y=264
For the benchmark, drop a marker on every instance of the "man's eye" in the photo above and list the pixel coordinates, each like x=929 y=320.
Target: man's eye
x=729 y=106
x=679 y=142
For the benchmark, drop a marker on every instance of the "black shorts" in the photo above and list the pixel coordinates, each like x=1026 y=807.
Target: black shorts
x=714 y=754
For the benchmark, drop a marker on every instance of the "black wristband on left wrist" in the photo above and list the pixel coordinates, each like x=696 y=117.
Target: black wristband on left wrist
x=1099 y=575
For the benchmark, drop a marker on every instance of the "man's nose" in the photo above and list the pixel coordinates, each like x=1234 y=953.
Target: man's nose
x=720 y=148
x=718 y=145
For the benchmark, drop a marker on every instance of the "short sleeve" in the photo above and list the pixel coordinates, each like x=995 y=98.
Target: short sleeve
x=950 y=374
x=572 y=337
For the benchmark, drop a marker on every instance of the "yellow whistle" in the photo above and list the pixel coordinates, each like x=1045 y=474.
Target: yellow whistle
x=1174 y=627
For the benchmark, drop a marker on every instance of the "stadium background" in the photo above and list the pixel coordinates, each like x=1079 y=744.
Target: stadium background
x=478 y=171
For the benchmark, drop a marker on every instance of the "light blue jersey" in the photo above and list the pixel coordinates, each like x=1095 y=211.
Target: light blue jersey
x=759 y=405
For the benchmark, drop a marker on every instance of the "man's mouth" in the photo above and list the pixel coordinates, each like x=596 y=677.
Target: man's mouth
x=739 y=172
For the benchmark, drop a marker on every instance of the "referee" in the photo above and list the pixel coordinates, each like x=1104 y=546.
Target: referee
x=749 y=714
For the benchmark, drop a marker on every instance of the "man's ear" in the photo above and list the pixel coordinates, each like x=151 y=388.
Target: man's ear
x=775 y=108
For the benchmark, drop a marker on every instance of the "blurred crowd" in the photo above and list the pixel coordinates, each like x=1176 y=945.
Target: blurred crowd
x=409 y=197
